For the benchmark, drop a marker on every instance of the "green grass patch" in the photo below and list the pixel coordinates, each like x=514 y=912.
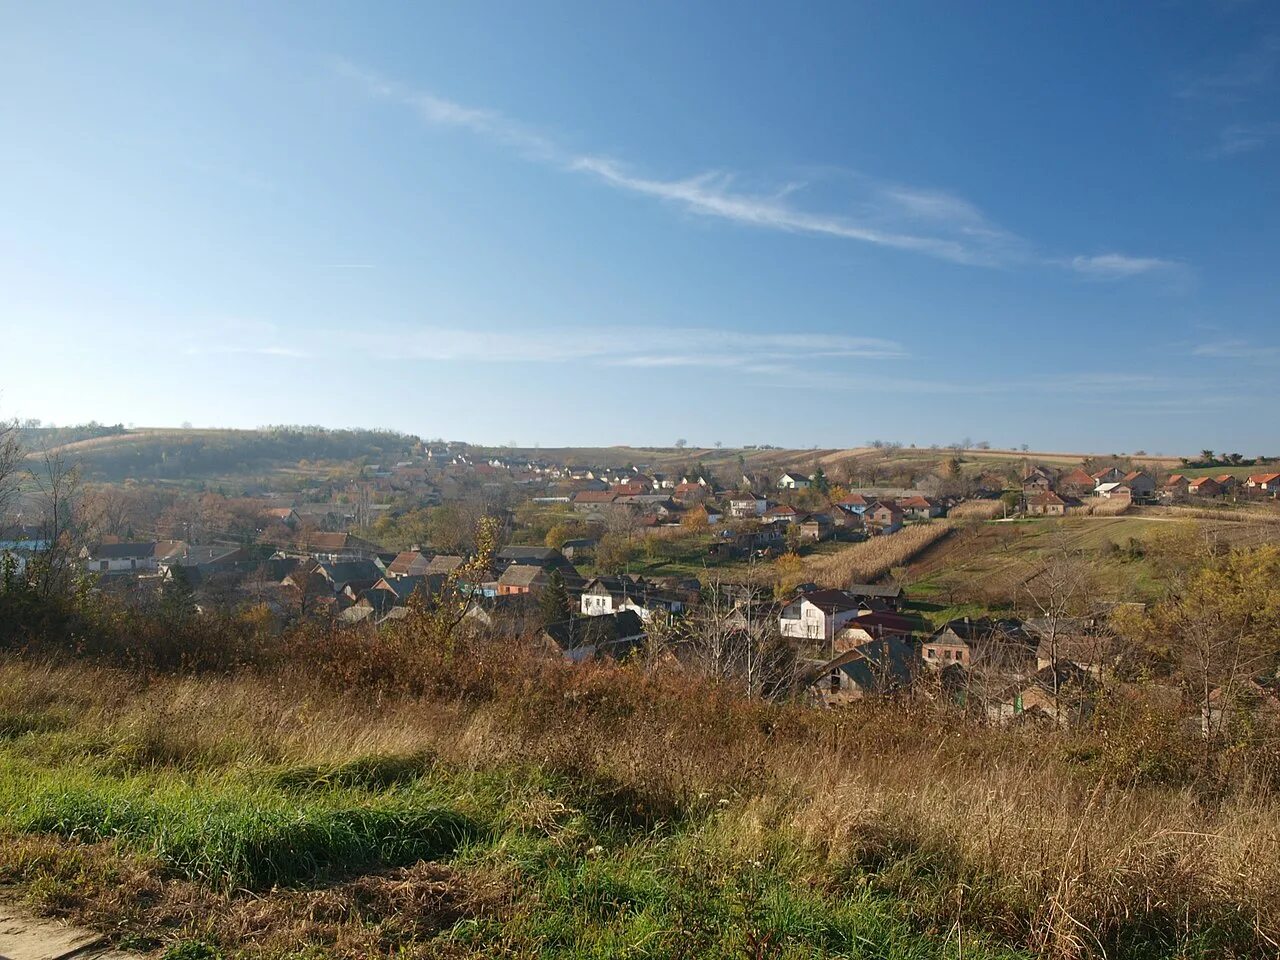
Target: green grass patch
x=230 y=832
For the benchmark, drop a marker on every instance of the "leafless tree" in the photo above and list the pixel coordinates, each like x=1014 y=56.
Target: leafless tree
x=1059 y=595
x=11 y=454
x=57 y=487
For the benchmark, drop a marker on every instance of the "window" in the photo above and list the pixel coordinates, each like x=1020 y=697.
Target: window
x=835 y=680
x=930 y=652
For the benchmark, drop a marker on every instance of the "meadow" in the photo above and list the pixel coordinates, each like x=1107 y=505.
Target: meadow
x=360 y=795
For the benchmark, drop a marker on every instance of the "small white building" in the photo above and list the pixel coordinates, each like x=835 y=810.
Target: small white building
x=818 y=615
x=793 y=481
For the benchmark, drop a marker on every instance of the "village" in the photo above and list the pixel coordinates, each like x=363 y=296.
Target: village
x=595 y=563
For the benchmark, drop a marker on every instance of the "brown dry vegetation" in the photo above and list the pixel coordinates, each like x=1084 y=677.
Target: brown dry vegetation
x=866 y=562
x=1072 y=845
x=976 y=510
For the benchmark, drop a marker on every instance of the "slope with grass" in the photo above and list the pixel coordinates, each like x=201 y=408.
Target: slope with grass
x=514 y=807
x=262 y=838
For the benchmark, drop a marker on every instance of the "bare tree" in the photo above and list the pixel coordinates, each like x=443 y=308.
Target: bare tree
x=57 y=487
x=1059 y=595
x=11 y=454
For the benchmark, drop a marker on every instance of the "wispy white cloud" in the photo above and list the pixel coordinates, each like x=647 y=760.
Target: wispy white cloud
x=1114 y=266
x=1238 y=77
x=929 y=222
x=758 y=352
x=1238 y=138
x=1233 y=348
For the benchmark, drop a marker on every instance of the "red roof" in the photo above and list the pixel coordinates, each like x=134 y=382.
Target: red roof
x=1264 y=478
x=594 y=496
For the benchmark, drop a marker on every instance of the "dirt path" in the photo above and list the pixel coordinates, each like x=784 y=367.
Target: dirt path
x=24 y=937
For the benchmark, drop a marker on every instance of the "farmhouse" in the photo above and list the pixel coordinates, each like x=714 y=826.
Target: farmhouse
x=817 y=615
x=1204 y=487
x=875 y=667
x=743 y=505
x=1047 y=504
x=1113 y=490
x=793 y=481
x=1266 y=483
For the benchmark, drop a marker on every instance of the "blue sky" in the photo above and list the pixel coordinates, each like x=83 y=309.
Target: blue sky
x=599 y=223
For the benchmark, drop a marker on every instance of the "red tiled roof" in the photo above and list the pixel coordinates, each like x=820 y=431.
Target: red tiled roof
x=594 y=496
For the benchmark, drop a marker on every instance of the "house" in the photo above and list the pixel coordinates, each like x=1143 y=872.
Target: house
x=1082 y=641
x=588 y=501
x=522 y=578
x=18 y=546
x=331 y=547
x=605 y=595
x=847 y=518
x=128 y=557
x=1109 y=475
x=876 y=667
x=1060 y=695
x=1047 y=504
x=546 y=558
x=1175 y=487
x=349 y=576
x=887 y=594
x=818 y=615
x=1036 y=480
x=746 y=505
x=780 y=513
x=816 y=527
x=883 y=517
x=1142 y=486
x=1204 y=487
x=1002 y=646
x=690 y=492
x=409 y=563
x=793 y=481
x=286 y=516
x=1228 y=483
x=1077 y=483
x=613 y=636
x=871 y=625
x=1264 y=483
x=1113 y=491
x=392 y=592
x=443 y=563
x=579 y=547
x=855 y=503
x=920 y=507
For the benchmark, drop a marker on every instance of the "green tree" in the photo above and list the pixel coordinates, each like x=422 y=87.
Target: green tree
x=177 y=596
x=553 y=604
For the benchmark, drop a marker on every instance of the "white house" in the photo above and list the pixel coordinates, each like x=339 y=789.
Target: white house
x=818 y=615
x=128 y=557
x=793 y=481
x=747 y=505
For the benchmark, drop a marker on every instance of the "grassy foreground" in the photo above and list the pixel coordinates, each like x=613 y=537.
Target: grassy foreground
x=501 y=806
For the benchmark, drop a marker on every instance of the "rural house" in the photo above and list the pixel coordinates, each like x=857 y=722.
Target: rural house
x=817 y=615
x=875 y=667
x=793 y=481
x=1204 y=487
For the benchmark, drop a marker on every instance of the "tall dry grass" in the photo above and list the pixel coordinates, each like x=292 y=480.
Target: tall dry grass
x=976 y=510
x=1004 y=831
x=869 y=560
x=1101 y=508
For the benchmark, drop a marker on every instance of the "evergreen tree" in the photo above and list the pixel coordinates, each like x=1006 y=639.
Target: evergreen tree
x=177 y=596
x=553 y=604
